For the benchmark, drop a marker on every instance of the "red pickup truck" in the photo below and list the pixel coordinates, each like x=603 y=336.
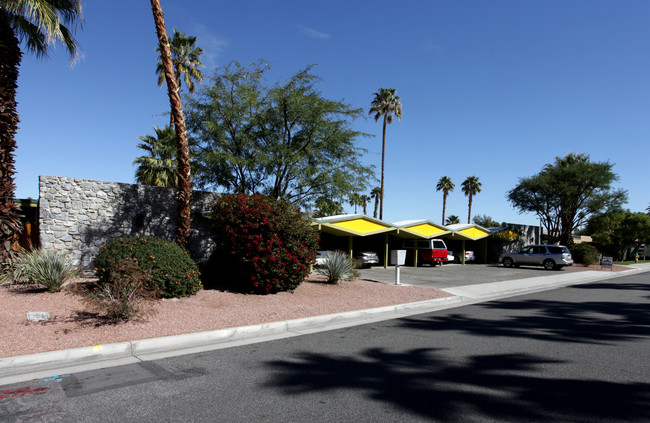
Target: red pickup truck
x=430 y=251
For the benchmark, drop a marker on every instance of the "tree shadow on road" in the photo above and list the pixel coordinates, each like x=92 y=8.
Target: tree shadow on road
x=508 y=387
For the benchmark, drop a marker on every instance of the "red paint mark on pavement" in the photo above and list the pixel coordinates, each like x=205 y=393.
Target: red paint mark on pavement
x=21 y=391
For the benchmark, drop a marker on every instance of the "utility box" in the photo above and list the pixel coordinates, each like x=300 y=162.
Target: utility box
x=397 y=257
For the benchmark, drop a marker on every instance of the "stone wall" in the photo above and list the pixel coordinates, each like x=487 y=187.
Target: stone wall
x=79 y=215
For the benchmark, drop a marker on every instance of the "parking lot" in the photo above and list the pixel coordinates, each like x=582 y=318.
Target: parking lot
x=451 y=275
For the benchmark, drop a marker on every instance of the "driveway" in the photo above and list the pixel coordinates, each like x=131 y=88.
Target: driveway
x=452 y=275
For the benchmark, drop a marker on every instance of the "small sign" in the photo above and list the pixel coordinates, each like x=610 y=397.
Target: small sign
x=608 y=262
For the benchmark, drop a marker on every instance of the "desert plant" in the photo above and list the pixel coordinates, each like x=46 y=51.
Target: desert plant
x=172 y=272
x=122 y=294
x=584 y=253
x=50 y=268
x=263 y=245
x=338 y=266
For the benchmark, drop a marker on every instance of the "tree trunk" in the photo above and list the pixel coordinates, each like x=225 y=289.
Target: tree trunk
x=383 y=159
x=10 y=56
x=469 y=209
x=444 y=206
x=184 y=192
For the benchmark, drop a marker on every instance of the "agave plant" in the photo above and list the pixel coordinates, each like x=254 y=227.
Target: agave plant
x=338 y=266
x=50 y=268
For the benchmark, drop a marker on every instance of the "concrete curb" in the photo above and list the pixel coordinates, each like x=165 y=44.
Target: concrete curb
x=32 y=366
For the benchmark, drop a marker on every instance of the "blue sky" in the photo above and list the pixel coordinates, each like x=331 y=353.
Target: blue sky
x=494 y=89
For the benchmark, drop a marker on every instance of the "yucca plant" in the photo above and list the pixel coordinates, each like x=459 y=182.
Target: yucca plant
x=338 y=266
x=50 y=268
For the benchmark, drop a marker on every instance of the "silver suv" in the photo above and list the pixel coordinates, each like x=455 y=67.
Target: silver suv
x=549 y=256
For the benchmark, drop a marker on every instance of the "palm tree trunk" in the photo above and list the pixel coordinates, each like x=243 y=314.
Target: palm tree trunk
x=184 y=178
x=444 y=206
x=469 y=211
x=10 y=56
x=383 y=157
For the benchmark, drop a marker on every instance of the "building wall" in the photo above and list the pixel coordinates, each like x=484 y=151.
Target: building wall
x=79 y=215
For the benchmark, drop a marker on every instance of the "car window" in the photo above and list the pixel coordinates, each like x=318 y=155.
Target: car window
x=439 y=244
x=539 y=250
x=557 y=250
x=526 y=250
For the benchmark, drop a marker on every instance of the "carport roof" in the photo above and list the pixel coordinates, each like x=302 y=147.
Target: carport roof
x=469 y=231
x=352 y=225
x=420 y=229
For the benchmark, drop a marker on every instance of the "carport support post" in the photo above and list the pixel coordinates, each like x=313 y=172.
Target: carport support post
x=463 y=243
x=350 y=239
x=385 y=251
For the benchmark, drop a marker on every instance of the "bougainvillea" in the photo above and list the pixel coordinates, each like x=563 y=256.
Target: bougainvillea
x=264 y=245
x=173 y=273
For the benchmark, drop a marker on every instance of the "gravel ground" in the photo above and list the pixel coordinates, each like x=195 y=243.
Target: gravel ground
x=73 y=325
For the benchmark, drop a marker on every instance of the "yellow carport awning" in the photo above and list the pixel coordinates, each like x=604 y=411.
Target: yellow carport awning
x=469 y=232
x=352 y=225
x=420 y=229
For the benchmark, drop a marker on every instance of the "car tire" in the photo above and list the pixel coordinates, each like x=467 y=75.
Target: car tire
x=549 y=264
x=507 y=262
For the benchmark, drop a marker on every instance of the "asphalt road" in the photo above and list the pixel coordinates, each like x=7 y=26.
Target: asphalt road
x=577 y=354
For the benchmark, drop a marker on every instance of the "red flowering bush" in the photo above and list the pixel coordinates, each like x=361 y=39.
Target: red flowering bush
x=263 y=245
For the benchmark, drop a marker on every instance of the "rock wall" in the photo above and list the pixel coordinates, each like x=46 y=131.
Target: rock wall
x=79 y=215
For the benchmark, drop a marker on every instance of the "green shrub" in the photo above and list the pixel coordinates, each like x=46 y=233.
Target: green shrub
x=584 y=253
x=170 y=269
x=50 y=268
x=263 y=245
x=338 y=266
x=121 y=296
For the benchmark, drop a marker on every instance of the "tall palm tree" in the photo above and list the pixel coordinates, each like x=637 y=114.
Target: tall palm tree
x=355 y=200
x=385 y=104
x=471 y=187
x=375 y=194
x=184 y=193
x=452 y=220
x=185 y=59
x=158 y=166
x=364 y=202
x=446 y=186
x=39 y=24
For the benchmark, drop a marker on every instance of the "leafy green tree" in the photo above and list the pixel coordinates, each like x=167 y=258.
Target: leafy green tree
x=284 y=140
x=485 y=221
x=385 y=105
x=375 y=194
x=565 y=194
x=324 y=207
x=446 y=186
x=452 y=220
x=620 y=232
x=186 y=61
x=471 y=187
x=39 y=24
x=184 y=192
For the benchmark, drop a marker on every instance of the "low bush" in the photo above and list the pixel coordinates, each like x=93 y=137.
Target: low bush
x=121 y=295
x=50 y=268
x=263 y=245
x=338 y=266
x=170 y=270
x=584 y=253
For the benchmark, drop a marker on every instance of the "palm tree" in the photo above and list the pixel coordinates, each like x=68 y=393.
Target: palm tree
x=471 y=187
x=452 y=220
x=39 y=23
x=446 y=186
x=385 y=104
x=185 y=59
x=355 y=200
x=364 y=202
x=158 y=166
x=375 y=194
x=184 y=193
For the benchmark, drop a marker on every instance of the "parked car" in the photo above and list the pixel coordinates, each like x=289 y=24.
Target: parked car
x=549 y=256
x=367 y=258
x=321 y=256
x=469 y=256
x=450 y=257
x=430 y=251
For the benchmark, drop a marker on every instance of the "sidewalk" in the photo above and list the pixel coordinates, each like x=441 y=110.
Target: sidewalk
x=34 y=366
